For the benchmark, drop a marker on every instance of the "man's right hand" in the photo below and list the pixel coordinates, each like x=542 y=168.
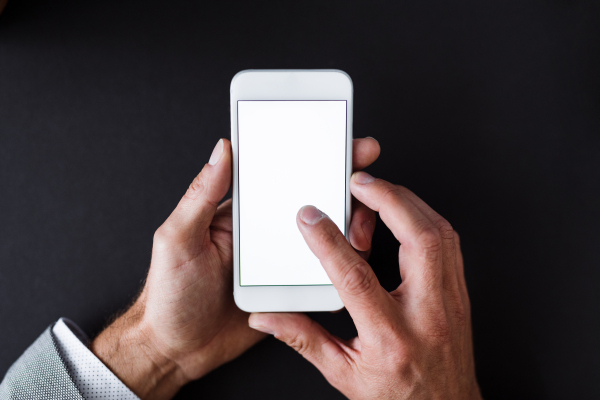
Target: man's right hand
x=413 y=343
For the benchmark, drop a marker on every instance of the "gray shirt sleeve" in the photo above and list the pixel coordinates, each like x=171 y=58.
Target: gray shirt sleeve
x=40 y=373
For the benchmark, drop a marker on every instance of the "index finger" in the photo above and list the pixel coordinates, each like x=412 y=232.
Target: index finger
x=364 y=152
x=358 y=287
x=421 y=240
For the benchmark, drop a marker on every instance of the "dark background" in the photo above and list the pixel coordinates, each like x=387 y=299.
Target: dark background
x=489 y=110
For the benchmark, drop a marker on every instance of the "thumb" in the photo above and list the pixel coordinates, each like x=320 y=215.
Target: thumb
x=321 y=348
x=195 y=211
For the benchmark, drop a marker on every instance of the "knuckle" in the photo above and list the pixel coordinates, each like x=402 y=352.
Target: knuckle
x=429 y=239
x=358 y=278
x=445 y=229
x=457 y=238
x=298 y=343
x=197 y=187
x=163 y=238
x=389 y=193
x=402 y=189
x=162 y=234
x=404 y=366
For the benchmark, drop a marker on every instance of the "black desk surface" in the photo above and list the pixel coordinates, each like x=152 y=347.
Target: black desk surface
x=490 y=111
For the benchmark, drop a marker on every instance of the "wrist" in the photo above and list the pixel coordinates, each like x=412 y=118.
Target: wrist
x=127 y=347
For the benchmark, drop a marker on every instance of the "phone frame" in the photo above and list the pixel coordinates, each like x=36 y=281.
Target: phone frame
x=287 y=85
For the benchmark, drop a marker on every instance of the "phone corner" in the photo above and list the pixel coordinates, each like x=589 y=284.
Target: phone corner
x=345 y=76
x=237 y=77
x=337 y=309
x=239 y=303
x=338 y=306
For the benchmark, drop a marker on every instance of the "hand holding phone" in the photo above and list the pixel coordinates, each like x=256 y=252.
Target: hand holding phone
x=413 y=342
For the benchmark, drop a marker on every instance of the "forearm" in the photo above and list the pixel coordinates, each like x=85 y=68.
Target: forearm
x=126 y=347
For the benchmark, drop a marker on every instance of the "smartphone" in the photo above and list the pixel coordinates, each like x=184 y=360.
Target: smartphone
x=291 y=133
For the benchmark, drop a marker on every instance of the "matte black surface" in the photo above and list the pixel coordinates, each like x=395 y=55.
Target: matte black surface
x=489 y=110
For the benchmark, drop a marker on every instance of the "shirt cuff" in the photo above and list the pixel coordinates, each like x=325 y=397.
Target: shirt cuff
x=93 y=379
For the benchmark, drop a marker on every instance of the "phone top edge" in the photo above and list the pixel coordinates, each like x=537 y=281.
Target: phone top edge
x=260 y=71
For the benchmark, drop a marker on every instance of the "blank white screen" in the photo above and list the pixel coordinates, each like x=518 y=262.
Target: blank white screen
x=291 y=153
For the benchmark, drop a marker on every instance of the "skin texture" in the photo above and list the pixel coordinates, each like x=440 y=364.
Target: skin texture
x=185 y=322
x=412 y=343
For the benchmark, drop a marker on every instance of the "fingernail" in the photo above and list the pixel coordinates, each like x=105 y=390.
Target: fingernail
x=371 y=137
x=262 y=329
x=362 y=178
x=216 y=154
x=311 y=215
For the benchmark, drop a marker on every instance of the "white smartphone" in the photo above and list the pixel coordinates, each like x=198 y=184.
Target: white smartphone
x=291 y=132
